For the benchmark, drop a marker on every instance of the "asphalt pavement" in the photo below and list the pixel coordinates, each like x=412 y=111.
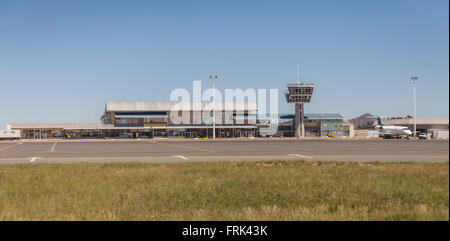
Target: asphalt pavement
x=151 y=150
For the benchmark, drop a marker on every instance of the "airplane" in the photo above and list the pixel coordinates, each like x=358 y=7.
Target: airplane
x=391 y=132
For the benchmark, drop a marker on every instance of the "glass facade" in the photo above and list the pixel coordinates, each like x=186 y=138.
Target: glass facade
x=316 y=125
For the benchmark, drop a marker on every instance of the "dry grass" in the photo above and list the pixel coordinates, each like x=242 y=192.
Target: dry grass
x=225 y=191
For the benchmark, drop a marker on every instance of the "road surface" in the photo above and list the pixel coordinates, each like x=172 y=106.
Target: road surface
x=222 y=150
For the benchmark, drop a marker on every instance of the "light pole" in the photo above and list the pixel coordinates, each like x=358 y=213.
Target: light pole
x=414 y=78
x=213 y=78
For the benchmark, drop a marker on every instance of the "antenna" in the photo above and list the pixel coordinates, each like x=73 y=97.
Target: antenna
x=298 y=73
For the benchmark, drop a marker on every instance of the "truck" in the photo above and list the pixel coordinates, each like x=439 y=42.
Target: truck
x=9 y=135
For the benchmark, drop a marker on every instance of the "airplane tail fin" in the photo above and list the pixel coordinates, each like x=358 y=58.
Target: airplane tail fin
x=379 y=121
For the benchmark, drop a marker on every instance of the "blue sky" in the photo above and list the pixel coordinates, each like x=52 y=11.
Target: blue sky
x=60 y=61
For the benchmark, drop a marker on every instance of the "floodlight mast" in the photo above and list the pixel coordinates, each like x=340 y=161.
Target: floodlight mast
x=414 y=78
x=213 y=78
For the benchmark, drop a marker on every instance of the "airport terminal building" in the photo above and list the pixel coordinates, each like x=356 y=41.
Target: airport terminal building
x=154 y=120
x=317 y=125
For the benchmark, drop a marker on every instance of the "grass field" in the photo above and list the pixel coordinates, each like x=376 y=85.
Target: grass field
x=293 y=190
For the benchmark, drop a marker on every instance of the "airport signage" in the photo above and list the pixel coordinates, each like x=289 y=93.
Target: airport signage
x=155 y=124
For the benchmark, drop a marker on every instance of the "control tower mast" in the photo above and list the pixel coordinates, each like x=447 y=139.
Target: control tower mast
x=299 y=93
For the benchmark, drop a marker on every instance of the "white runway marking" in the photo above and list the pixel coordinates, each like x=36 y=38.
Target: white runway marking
x=34 y=159
x=298 y=155
x=182 y=157
x=53 y=147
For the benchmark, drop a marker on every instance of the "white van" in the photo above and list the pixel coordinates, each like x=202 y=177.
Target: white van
x=9 y=134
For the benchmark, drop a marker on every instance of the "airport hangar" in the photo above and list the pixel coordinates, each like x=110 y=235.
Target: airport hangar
x=152 y=120
x=435 y=127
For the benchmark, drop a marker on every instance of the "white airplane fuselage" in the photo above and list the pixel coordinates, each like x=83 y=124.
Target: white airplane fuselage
x=394 y=131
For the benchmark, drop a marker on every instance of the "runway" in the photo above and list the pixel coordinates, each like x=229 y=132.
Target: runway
x=157 y=151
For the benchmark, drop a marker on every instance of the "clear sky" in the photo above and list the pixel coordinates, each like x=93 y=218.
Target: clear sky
x=60 y=61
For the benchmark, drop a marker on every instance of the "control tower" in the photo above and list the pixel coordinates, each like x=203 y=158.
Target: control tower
x=299 y=93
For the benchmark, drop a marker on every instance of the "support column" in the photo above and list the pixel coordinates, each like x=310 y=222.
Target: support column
x=302 y=119
x=297 y=120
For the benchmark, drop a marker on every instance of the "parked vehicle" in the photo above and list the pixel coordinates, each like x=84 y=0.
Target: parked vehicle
x=423 y=136
x=9 y=134
x=123 y=136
